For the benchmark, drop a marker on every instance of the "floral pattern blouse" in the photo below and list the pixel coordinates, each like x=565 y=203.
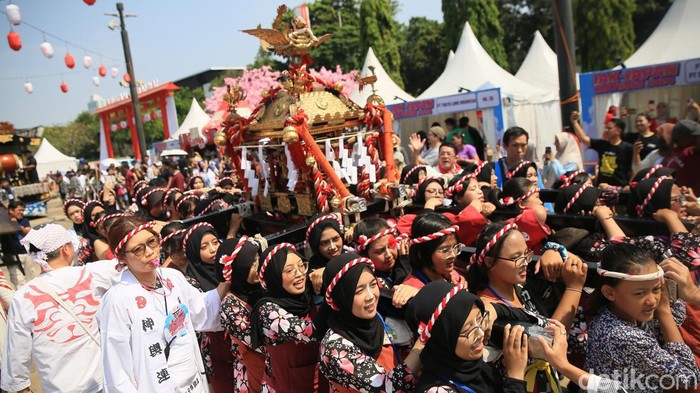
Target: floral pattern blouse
x=280 y=326
x=619 y=348
x=344 y=363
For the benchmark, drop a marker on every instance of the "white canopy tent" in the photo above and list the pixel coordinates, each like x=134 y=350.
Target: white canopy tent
x=540 y=66
x=527 y=106
x=671 y=41
x=196 y=118
x=385 y=86
x=50 y=159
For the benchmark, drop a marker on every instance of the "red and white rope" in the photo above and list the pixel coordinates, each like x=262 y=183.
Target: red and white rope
x=340 y=274
x=268 y=258
x=496 y=237
x=652 y=191
x=317 y=221
x=93 y=202
x=191 y=230
x=108 y=217
x=651 y=172
x=507 y=201
x=73 y=200
x=213 y=203
x=227 y=260
x=322 y=191
x=221 y=179
x=443 y=232
x=184 y=198
x=509 y=174
x=575 y=197
x=172 y=235
x=167 y=195
x=144 y=198
x=424 y=330
x=566 y=180
x=363 y=242
x=430 y=178
x=459 y=185
x=410 y=172
x=131 y=234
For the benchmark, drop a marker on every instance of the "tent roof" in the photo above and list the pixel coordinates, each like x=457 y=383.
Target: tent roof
x=196 y=117
x=673 y=38
x=472 y=67
x=48 y=153
x=540 y=65
x=386 y=87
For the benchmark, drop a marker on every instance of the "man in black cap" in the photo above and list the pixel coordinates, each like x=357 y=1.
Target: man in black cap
x=685 y=158
x=30 y=167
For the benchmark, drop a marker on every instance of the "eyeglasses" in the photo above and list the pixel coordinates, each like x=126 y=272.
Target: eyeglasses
x=435 y=191
x=482 y=324
x=139 y=250
x=329 y=242
x=212 y=244
x=451 y=250
x=678 y=199
x=301 y=268
x=522 y=260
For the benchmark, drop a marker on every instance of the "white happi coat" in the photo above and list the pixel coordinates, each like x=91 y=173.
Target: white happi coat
x=133 y=324
x=66 y=356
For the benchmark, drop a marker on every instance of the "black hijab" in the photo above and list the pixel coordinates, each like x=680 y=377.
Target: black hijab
x=412 y=178
x=366 y=334
x=419 y=197
x=153 y=200
x=109 y=209
x=298 y=305
x=250 y=293
x=78 y=228
x=89 y=231
x=522 y=171
x=204 y=273
x=484 y=175
x=655 y=171
x=661 y=199
x=317 y=260
x=584 y=203
x=438 y=355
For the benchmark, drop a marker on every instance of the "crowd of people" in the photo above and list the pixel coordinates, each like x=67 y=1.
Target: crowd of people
x=136 y=297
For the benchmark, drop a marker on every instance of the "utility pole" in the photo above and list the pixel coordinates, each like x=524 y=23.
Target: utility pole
x=566 y=58
x=132 y=83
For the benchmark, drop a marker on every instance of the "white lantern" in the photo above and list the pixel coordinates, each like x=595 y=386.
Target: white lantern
x=47 y=49
x=13 y=14
x=114 y=127
x=146 y=117
x=28 y=88
x=122 y=124
x=96 y=80
x=87 y=61
x=114 y=72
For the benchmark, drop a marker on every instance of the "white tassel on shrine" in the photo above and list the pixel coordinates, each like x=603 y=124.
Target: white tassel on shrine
x=263 y=165
x=292 y=173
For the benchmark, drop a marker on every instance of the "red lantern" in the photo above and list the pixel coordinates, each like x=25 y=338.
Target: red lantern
x=127 y=78
x=102 y=71
x=89 y=2
x=14 y=40
x=69 y=60
x=64 y=87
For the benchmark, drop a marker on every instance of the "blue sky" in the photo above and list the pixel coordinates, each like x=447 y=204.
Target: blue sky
x=170 y=39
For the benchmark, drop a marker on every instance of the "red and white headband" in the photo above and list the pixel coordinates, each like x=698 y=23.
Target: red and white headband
x=576 y=196
x=363 y=242
x=147 y=226
x=431 y=178
x=566 y=180
x=184 y=198
x=227 y=260
x=410 y=172
x=144 y=198
x=171 y=235
x=221 y=179
x=507 y=201
x=510 y=174
x=107 y=217
x=652 y=170
x=496 y=237
x=340 y=274
x=167 y=195
x=479 y=167
x=631 y=277
x=425 y=329
x=138 y=185
x=93 y=202
x=318 y=220
x=213 y=203
x=73 y=200
x=191 y=231
x=268 y=258
x=442 y=232
x=459 y=185
x=652 y=191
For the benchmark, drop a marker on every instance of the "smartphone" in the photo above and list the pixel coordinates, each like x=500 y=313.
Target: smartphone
x=548 y=150
x=672 y=289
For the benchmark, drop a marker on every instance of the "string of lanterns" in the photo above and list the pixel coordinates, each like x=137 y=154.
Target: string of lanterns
x=14 y=40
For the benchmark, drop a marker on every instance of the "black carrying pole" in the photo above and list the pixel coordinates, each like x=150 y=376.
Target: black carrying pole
x=132 y=84
x=566 y=58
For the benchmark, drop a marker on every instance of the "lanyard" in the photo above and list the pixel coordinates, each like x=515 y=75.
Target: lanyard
x=393 y=346
x=456 y=384
x=419 y=275
x=509 y=304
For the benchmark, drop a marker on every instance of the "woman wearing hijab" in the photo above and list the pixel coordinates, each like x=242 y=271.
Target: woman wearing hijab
x=325 y=239
x=452 y=323
x=151 y=204
x=412 y=174
x=243 y=256
x=281 y=323
x=201 y=244
x=568 y=158
x=73 y=210
x=357 y=353
x=98 y=244
x=108 y=197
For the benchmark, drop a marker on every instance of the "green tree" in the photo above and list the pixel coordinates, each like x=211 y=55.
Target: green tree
x=422 y=43
x=379 y=30
x=79 y=138
x=483 y=18
x=183 y=101
x=519 y=20
x=604 y=32
x=343 y=22
x=647 y=16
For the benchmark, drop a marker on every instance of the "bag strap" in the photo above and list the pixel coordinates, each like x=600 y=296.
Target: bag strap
x=50 y=291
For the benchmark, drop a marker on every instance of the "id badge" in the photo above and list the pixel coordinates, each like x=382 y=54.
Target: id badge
x=176 y=323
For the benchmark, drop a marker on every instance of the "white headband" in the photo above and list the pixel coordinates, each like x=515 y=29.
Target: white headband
x=632 y=277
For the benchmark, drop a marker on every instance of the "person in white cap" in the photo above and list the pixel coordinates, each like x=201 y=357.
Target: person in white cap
x=52 y=318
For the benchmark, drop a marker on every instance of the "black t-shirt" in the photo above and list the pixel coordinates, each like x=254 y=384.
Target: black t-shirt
x=615 y=162
x=649 y=145
x=33 y=174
